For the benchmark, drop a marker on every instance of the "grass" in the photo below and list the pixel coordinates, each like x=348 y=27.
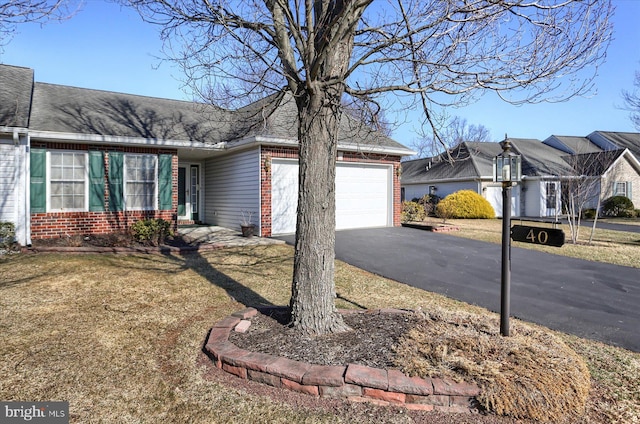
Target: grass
x=614 y=247
x=119 y=337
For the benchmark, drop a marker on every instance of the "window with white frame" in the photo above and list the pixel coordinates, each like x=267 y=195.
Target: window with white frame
x=552 y=195
x=620 y=188
x=140 y=188
x=68 y=181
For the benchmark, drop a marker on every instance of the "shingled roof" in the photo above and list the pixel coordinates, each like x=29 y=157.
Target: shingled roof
x=16 y=88
x=467 y=160
x=63 y=109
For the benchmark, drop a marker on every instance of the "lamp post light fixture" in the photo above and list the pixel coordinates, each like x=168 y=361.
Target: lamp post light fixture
x=507 y=169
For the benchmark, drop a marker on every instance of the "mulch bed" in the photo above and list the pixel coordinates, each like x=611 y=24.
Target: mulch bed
x=370 y=341
x=106 y=240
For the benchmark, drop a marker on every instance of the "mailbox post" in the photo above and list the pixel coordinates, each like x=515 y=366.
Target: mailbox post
x=507 y=169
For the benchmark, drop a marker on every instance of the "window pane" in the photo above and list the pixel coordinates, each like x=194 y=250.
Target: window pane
x=67 y=159
x=68 y=173
x=78 y=202
x=56 y=159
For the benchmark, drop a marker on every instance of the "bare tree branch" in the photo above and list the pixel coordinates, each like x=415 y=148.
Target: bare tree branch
x=15 y=12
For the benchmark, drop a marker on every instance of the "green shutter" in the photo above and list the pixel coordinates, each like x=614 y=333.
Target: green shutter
x=96 y=181
x=116 y=181
x=165 y=182
x=38 y=173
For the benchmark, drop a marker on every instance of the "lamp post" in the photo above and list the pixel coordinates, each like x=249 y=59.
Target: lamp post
x=507 y=169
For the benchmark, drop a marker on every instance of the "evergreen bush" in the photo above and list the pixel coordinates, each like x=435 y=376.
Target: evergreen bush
x=618 y=206
x=464 y=204
x=151 y=231
x=412 y=211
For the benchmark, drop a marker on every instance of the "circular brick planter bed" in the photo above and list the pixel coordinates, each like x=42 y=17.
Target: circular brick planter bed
x=354 y=382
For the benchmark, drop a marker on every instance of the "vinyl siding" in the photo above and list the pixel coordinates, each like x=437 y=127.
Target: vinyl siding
x=232 y=185
x=8 y=159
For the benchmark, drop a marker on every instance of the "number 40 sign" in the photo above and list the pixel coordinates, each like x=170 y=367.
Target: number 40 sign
x=537 y=235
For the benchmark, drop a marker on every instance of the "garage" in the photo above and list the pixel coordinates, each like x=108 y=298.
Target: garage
x=494 y=195
x=363 y=195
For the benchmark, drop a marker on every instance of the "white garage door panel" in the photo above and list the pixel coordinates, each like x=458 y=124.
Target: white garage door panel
x=284 y=197
x=363 y=194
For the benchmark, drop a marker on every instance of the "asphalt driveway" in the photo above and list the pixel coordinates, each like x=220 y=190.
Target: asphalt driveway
x=588 y=299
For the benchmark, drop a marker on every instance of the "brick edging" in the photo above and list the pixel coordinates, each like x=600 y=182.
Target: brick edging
x=354 y=382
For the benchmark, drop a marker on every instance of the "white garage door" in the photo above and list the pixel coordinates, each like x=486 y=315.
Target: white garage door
x=494 y=196
x=363 y=196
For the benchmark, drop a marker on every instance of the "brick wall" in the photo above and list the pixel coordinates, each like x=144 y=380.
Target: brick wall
x=63 y=224
x=268 y=153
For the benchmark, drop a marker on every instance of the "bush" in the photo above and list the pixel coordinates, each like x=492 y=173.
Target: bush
x=429 y=203
x=151 y=231
x=618 y=206
x=412 y=211
x=7 y=234
x=465 y=204
x=589 y=213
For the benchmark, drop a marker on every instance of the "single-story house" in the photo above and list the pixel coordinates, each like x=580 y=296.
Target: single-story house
x=548 y=168
x=81 y=161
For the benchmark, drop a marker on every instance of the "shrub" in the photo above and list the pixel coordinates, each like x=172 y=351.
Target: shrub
x=7 y=234
x=151 y=231
x=589 y=213
x=618 y=206
x=464 y=204
x=412 y=211
x=429 y=203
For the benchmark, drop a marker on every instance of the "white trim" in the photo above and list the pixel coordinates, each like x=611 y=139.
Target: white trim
x=154 y=205
x=48 y=194
x=118 y=140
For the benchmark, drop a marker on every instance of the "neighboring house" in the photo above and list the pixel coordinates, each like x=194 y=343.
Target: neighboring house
x=467 y=166
x=548 y=168
x=80 y=161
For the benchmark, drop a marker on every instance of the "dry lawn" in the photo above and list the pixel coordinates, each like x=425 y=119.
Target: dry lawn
x=531 y=374
x=120 y=337
x=614 y=247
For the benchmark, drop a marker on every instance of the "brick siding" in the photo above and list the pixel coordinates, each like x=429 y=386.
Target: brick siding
x=64 y=224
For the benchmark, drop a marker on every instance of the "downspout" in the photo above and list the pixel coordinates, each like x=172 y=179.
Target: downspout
x=27 y=189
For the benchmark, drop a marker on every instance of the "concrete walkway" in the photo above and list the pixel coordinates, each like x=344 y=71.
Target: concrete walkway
x=222 y=237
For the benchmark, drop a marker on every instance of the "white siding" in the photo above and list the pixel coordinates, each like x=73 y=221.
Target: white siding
x=8 y=162
x=13 y=186
x=232 y=185
x=533 y=199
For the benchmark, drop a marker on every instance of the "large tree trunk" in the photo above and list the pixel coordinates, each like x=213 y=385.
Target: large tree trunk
x=313 y=289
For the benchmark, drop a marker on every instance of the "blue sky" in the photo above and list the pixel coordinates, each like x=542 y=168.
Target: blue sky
x=107 y=47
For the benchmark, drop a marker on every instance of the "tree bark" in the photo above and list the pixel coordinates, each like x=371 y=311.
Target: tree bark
x=313 y=288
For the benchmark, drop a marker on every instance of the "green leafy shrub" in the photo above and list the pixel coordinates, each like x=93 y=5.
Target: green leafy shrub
x=464 y=204
x=151 y=231
x=7 y=234
x=412 y=211
x=589 y=213
x=618 y=206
